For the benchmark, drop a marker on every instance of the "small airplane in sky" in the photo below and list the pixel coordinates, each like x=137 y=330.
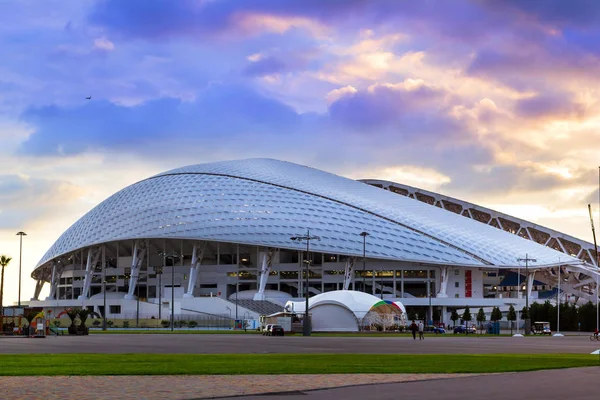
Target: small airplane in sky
x=88 y=98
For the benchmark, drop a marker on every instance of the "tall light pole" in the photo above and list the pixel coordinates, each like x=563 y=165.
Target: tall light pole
x=364 y=236
x=165 y=256
x=429 y=295
x=381 y=282
x=159 y=271
x=306 y=238
x=104 y=297
x=20 y=234
x=237 y=289
x=528 y=319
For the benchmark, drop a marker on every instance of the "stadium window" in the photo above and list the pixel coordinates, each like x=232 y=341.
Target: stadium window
x=456 y=272
x=455 y=284
x=115 y=309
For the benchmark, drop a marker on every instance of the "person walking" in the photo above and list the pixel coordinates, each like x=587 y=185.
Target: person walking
x=421 y=329
x=413 y=328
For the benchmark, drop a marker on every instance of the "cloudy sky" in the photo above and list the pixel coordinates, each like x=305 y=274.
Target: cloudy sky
x=494 y=102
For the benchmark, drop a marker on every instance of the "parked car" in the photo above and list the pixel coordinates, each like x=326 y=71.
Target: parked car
x=275 y=330
x=266 y=329
x=435 y=329
x=465 y=329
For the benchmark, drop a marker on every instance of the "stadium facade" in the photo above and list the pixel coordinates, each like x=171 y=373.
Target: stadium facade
x=203 y=238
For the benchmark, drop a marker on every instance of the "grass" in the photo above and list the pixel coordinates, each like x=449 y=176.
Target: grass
x=175 y=332
x=266 y=364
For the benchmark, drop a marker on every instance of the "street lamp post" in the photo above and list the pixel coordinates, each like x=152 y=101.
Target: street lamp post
x=528 y=319
x=237 y=289
x=364 y=236
x=165 y=256
x=159 y=271
x=104 y=297
x=20 y=234
x=381 y=282
x=306 y=324
x=429 y=295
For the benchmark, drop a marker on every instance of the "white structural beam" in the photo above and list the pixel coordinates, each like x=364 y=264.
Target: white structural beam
x=530 y=280
x=443 y=282
x=39 y=284
x=139 y=251
x=265 y=270
x=349 y=272
x=197 y=256
x=92 y=259
x=54 y=279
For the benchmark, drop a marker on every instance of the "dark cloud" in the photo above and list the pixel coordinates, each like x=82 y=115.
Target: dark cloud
x=266 y=66
x=407 y=112
x=165 y=18
x=220 y=110
x=572 y=13
x=549 y=105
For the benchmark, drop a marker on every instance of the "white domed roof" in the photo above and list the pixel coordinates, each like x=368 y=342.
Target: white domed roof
x=360 y=303
x=265 y=202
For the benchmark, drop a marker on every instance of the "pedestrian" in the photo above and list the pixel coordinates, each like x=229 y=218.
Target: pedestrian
x=413 y=329
x=421 y=328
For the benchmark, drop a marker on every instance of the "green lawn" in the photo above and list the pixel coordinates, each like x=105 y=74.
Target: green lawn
x=257 y=364
x=175 y=332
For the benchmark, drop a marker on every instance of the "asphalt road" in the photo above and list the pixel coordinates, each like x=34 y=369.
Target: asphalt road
x=258 y=344
x=572 y=384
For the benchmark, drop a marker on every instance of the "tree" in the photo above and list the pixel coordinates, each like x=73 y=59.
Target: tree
x=467 y=317
x=511 y=316
x=454 y=317
x=72 y=313
x=83 y=315
x=481 y=318
x=524 y=313
x=4 y=261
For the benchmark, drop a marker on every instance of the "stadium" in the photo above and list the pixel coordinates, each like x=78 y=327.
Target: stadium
x=252 y=235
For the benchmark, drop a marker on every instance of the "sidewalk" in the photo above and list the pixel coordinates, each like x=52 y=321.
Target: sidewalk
x=186 y=387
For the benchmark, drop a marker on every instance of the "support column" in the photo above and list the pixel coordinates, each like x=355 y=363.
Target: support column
x=349 y=272
x=444 y=275
x=530 y=280
x=92 y=259
x=139 y=252
x=197 y=256
x=264 y=274
x=38 y=288
x=55 y=278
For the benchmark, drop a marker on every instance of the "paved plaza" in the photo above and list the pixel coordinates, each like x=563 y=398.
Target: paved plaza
x=572 y=384
x=578 y=383
x=258 y=344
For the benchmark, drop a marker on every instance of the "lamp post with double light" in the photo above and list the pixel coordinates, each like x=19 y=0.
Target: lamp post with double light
x=528 y=319
x=364 y=236
x=20 y=234
x=172 y=255
x=306 y=238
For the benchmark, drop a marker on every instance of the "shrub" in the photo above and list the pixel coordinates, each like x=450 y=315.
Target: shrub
x=125 y=324
x=192 y=324
x=165 y=323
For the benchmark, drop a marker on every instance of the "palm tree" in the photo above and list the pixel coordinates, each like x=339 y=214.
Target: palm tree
x=4 y=260
x=83 y=314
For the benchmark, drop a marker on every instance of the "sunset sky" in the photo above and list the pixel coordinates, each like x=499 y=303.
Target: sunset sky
x=492 y=102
